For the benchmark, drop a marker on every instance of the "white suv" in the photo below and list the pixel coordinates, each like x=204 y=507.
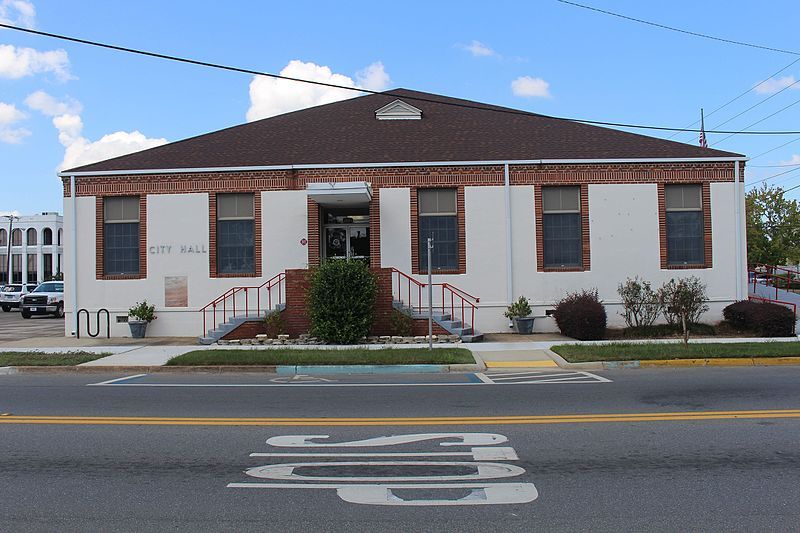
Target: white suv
x=46 y=299
x=12 y=294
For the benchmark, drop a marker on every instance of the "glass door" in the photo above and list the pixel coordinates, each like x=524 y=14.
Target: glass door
x=345 y=233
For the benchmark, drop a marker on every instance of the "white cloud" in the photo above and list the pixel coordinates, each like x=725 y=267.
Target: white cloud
x=50 y=106
x=773 y=85
x=373 y=77
x=9 y=115
x=270 y=96
x=14 y=213
x=795 y=160
x=17 y=63
x=81 y=151
x=478 y=49
x=18 y=13
x=530 y=87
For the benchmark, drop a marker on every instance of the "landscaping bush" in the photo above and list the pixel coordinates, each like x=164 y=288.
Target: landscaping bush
x=683 y=302
x=581 y=315
x=401 y=324
x=765 y=319
x=274 y=324
x=341 y=301
x=640 y=302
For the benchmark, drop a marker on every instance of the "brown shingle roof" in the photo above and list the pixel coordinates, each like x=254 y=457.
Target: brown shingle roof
x=348 y=132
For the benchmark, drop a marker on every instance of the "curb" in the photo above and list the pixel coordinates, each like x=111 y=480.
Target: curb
x=253 y=369
x=678 y=363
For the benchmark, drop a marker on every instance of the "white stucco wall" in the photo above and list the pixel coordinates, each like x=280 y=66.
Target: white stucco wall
x=174 y=223
x=623 y=235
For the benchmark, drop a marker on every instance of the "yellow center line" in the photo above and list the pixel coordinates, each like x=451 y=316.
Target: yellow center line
x=400 y=421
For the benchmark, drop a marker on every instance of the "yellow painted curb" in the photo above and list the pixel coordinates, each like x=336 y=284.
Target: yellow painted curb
x=722 y=361
x=520 y=364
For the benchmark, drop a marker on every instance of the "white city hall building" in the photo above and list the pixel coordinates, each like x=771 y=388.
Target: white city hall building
x=35 y=244
x=517 y=203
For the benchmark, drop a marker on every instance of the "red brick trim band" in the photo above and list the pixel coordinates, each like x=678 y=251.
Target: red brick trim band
x=270 y=180
x=708 y=250
x=586 y=253
x=100 y=267
x=462 y=232
x=212 y=238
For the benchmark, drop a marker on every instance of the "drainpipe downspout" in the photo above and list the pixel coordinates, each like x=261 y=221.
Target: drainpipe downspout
x=740 y=257
x=74 y=245
x=509 y=264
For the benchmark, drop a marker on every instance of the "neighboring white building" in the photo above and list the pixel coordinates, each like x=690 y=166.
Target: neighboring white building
x=36 y=247
x=517 y=203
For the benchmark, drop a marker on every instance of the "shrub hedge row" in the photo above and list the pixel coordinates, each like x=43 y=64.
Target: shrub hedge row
x=765 y=319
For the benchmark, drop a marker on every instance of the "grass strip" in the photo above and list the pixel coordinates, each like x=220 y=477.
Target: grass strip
x=356 y=356
x=582 y=353
x=48 y=359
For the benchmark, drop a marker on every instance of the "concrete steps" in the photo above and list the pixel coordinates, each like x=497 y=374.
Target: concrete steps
x=450 y=324
x=213 y=335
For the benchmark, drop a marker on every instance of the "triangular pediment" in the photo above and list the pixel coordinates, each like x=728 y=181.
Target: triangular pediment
x=398 y=110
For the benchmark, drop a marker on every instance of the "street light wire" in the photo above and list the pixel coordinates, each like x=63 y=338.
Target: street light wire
x=681 y=30
x=369 y=91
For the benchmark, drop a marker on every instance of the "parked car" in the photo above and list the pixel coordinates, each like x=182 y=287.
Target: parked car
x=10 y=295
x=46 y=299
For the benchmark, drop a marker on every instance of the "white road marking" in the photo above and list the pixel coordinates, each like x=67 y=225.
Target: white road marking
x=499 y=453
x=484 y=470
x=466 y=439
x=302 y=378
x=112 y=381
x=381 y=494
x=544 y=377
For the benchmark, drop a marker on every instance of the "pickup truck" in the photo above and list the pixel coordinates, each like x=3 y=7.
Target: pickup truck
x=46 y=299
x=11 y=295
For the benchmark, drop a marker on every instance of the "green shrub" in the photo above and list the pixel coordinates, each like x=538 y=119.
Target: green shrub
x=401 y=324
x=143 y=311
x=341 y=301
x=683 y=302
x=640 y=303
x=274 y=324
x=519 y=309
x=765 y=319
x=581 y=315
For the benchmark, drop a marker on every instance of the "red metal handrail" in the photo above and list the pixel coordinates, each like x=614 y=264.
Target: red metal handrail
x=772 y=280
x=459 y=302
x=230 y=294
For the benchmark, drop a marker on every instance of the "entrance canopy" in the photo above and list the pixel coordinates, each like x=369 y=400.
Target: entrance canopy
x=340 y=194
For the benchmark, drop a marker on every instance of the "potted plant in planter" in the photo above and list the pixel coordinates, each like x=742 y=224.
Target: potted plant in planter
x=139 y=316
x=519 y=313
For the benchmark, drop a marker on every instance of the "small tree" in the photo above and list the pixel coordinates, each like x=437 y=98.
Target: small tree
x=683 y=302
x=640 y=302
x=341 y=300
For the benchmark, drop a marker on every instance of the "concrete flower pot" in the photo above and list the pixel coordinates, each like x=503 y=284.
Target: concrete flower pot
x=523 y=325
x=138 y=328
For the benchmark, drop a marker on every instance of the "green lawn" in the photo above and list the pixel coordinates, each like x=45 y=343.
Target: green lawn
x=356 y=356
x=576 y=353
x=48 y=359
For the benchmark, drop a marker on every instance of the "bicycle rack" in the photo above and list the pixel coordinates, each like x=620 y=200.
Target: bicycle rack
x=97 y=323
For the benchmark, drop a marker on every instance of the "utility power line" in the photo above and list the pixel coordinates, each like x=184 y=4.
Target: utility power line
x=361 y=90
x=681 y=30
x=732 y=100
x=781 y=110
x=764 y=100
x=773 y=176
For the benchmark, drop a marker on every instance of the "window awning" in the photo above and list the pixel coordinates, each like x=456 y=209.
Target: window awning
x=340 y=194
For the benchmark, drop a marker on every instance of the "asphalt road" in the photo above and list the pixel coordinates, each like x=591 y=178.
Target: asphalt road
x=660 y=473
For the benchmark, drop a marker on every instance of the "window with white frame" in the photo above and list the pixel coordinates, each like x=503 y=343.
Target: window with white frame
x=235 y=234
x=561 y=226
x=685 y=227
x=120 y=235
x=438 y=219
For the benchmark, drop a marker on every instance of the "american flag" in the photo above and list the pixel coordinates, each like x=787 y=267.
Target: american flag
x=703 y=141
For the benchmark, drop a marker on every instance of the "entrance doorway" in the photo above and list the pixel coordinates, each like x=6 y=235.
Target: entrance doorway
x=345 y=233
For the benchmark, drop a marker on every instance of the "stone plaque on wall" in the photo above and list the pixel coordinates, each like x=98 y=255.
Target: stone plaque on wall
x=176 y=291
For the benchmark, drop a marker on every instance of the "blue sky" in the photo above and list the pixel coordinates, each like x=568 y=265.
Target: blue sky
x=63 y=102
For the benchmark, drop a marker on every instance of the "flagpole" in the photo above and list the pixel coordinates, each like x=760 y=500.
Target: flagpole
x=703 y=141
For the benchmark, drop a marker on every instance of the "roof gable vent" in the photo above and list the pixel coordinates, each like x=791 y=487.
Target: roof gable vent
x=398 y=110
